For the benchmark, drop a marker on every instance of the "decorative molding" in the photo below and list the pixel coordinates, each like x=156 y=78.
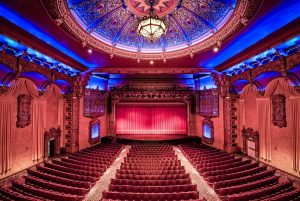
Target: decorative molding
x=293 y=60
x=158 y=94
x=80 y=82
x=282 y=65
x=94 y=126
x=24 y=111
x=278 y=110
x=210 y=125
x=223 y=83
x=244 y=11
x=230 y=123
x=8 y=60
x=297 y=88
x=209 y=103
x=19 y=65
x=251 y=135
x=3 y=89
x=94 y=103
x=72 y=123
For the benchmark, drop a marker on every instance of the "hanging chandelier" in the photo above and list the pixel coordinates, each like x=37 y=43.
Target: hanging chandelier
x=151 y=27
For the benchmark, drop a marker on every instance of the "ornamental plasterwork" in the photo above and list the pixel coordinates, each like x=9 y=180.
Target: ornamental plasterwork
x=243 y=12
x=155 y=94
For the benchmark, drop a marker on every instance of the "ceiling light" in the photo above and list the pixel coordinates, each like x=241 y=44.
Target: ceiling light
x=151 y=27
x=216 y=49
x=90 y=51
x=151 y=62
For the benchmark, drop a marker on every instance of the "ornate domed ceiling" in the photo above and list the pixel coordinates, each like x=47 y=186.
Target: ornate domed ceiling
x=111 y=25
x=115 y=22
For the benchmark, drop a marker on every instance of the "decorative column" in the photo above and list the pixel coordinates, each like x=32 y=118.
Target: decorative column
x=72 y=113
x=72 y=123
x=229 y=112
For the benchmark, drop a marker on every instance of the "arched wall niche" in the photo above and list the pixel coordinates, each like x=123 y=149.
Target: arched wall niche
x=40 y=80
x=263 y=80
x=238 y=85
x=207 y=131
x=64 y=85
x=279 y=146
x=23 y=147
x=248 y=90
x=280 y=85
x=27 y=86
x=94 y=131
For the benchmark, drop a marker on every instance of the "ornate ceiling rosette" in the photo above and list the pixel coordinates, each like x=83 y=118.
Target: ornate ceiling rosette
x=111 y=25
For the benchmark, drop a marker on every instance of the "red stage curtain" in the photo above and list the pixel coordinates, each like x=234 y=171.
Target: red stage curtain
x=151 y=119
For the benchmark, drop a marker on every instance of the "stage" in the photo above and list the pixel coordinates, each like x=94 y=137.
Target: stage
x=152 y=137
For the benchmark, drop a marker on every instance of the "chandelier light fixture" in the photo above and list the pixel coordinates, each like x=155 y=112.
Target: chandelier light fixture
x=152 y=27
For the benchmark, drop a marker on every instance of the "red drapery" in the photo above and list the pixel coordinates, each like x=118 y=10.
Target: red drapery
x=151 y=119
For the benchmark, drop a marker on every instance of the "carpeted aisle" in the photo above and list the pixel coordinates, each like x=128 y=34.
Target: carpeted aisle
x=95 y=193
x=203 y=188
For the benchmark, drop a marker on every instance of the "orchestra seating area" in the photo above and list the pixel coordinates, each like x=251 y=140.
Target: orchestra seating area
x=151 y=173
x=65 y=179
x=237 y=179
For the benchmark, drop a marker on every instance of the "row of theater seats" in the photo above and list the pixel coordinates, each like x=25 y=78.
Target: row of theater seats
x=151 y=173
x=235 y=179
x=67 y=179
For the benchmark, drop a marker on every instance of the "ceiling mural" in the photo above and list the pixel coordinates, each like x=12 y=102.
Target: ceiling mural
x=161 y=7
x=116 y=22
x=111 y=25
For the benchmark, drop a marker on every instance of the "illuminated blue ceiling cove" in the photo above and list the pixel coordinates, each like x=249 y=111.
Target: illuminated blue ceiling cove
x=97 y=82
x=14 y=18
x=262 y=80
x=207 y=82
x=115 y=22
x=15 y=48
x=284 y=13
x=287 y=48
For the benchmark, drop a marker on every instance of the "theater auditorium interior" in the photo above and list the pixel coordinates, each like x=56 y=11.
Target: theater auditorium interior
x=150 y=100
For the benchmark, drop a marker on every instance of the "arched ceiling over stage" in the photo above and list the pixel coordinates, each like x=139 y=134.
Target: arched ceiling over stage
x=101 y=36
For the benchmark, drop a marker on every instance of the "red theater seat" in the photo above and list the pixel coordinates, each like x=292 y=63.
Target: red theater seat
x=65 y=180
x=151 y=173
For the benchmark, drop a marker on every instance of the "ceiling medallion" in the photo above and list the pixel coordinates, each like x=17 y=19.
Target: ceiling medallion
x=161 y=7
x=191 y=25
x=151 y=27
